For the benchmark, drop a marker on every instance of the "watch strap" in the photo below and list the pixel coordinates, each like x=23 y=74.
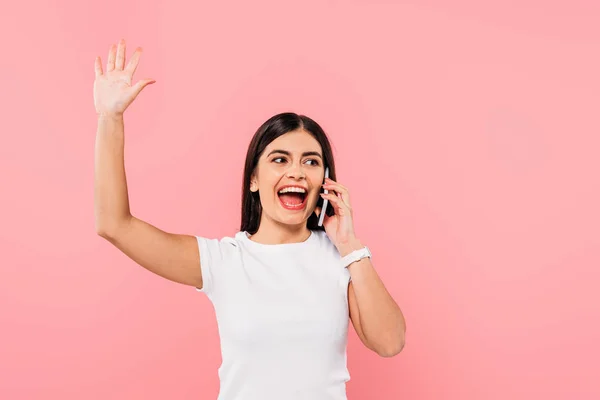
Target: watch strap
x=356 y=255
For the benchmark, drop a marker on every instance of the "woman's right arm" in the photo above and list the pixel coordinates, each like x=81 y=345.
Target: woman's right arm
x=174 y=257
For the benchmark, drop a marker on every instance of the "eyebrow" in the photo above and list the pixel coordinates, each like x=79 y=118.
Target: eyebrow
x=306 y=153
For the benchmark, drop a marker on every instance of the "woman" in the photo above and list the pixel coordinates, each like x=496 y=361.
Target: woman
x=283 y=287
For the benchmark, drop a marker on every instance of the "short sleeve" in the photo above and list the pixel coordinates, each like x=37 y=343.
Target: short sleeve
x=212 y=255
x=345 y=277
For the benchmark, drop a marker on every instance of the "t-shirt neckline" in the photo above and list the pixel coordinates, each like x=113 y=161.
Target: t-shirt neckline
x=245 y=237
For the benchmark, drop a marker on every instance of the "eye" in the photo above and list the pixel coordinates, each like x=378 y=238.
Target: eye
x=314 y=161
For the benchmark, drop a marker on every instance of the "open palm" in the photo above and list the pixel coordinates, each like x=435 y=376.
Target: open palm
x=113 y=89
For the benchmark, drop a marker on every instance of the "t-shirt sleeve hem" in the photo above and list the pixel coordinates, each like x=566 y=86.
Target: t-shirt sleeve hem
x=345 y=278
x=205 y=266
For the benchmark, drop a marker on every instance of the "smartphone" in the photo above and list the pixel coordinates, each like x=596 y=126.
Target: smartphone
x=325 y=202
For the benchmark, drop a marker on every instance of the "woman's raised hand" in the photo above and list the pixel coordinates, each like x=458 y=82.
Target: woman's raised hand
x=113 y=91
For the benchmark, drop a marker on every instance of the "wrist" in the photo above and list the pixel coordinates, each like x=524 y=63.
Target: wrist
x=110 y=116
x=349 y=246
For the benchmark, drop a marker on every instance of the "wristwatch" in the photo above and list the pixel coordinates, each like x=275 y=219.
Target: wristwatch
x=355 y=256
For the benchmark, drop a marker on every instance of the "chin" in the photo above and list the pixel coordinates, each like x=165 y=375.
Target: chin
x=292 y=219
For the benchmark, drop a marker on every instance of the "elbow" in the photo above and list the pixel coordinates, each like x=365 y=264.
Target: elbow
x=108 y=228
x=102 y=227
x=107 y=233
x=103 y=231
x=390 y=352
x=391 y=349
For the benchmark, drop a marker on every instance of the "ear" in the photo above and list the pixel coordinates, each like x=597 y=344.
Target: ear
x=253 y=184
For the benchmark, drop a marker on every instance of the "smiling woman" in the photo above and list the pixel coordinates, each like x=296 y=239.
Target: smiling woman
x=282 y=287
x=287 y=150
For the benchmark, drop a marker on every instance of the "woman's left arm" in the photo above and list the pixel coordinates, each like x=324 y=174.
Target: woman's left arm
x=376 y=317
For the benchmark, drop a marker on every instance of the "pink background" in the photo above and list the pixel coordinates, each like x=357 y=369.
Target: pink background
x=467 y=134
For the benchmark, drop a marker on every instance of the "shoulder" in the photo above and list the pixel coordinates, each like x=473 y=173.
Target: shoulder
x=323 y=241
x=332 y=255
x=223 y=244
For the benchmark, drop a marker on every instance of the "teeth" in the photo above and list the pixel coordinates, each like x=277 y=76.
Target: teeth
x=292 y=205
x=292 y=189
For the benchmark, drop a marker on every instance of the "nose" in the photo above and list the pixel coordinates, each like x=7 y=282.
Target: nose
x=296 y=172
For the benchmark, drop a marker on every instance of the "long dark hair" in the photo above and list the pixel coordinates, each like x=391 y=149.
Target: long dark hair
x=270 y=130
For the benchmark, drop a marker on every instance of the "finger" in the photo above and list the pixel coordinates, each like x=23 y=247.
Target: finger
x=339 y=189
x=120 y=56
x=98 y=66
x=134 y=61
x=137 y=88
x=335 y=203
x=332 y=182
x=338 y=204
x=110 y=63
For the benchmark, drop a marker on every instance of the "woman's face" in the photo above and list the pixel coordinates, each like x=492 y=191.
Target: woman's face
x=293 y=159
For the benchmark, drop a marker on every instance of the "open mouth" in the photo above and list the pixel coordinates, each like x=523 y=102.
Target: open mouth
x=292 y=200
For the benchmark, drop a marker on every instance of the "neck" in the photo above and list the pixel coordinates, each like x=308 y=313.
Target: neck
x=270 y=232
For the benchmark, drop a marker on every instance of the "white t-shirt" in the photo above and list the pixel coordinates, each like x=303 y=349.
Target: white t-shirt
x=282 y=315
